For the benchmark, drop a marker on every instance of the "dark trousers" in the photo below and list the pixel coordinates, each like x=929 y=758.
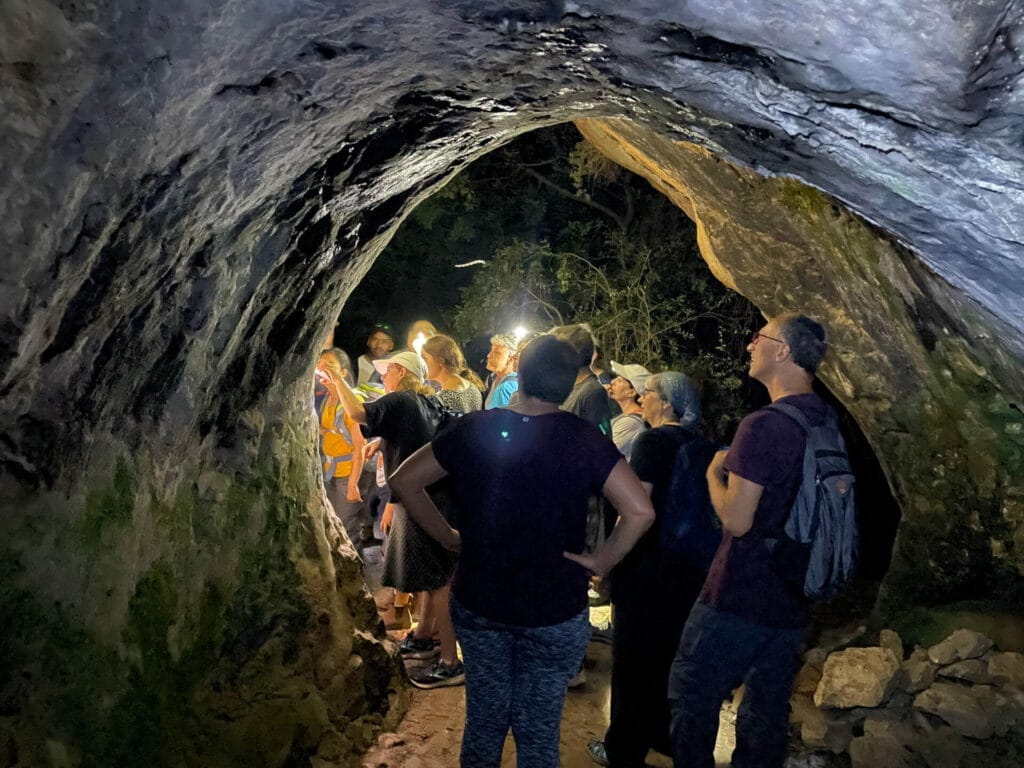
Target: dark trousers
x=651 y=606
x=717 y=652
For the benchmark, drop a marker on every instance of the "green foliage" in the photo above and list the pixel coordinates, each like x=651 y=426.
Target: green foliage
x=566 y=236
x=638 y=280
x=516 y=288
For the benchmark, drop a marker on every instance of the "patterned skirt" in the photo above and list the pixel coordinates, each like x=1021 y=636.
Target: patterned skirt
x=414 y=562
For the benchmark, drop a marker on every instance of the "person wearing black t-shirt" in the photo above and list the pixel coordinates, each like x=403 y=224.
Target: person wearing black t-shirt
x=522 y=478
x=653 y=587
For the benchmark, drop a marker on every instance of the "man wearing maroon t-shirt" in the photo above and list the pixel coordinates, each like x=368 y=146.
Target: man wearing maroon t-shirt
x=748 y=623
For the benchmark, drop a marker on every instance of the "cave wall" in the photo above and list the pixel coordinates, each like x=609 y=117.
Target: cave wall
x=189 y=193
x=915 y=363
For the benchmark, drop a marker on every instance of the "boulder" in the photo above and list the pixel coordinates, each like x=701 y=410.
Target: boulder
x=972 y=711
x=821 y=732
x=918 y=672
x=885 y=725
x=876 y=752
x=1007 y=668
x=968 y=671
x=940 y=747
x=802 y=709
x=888 y=638
x=807 y=679
x=857 y=677
x=962 y=644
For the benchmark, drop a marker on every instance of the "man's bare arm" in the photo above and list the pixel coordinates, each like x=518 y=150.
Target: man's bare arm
x=734 y=498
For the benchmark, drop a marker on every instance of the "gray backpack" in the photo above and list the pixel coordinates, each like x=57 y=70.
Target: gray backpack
x=821 y=530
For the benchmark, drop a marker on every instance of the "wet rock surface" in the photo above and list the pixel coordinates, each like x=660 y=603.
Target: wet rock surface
x=189 y=194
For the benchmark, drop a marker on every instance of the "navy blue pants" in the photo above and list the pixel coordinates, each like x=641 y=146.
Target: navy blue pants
x=717 y=652
x=516 y=677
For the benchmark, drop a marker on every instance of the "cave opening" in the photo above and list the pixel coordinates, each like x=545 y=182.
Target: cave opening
x=498 y=212
x=511 y=242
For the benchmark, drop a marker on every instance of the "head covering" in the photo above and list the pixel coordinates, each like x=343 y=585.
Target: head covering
x=635 y=374
x=408 y=360
x=681 y=393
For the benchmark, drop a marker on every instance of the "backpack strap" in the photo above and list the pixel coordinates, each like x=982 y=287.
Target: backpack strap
x=793 y=412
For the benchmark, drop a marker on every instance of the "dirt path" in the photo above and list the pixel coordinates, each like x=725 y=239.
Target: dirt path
x=431 y=732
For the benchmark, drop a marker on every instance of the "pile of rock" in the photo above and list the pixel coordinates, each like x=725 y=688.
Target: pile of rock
x=958 y=703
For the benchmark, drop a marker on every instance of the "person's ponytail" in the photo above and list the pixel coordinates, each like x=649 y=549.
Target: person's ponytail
x=470 y=375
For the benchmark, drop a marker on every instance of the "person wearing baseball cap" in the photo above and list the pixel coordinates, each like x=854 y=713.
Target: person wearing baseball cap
x=625 y=389
x=405 y=418
x=407 y=360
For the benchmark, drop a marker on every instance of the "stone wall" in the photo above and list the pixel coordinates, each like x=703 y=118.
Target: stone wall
x=933 y=391
x=957 y=703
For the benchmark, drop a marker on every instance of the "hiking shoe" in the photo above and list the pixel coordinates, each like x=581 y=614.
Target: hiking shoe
x=413 y=647
x=597 y=752
x=439 y=674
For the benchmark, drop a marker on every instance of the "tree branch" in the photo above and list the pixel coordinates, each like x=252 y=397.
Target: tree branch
x=619 y=220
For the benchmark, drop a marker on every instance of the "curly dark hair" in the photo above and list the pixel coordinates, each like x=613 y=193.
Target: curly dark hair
x=806 y=339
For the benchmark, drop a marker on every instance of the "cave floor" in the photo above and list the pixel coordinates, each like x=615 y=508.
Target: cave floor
x=431 y=731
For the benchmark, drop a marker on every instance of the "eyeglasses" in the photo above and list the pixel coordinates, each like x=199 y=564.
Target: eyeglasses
x=757 y=336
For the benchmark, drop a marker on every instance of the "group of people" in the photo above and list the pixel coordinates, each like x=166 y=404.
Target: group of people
x=551 y=477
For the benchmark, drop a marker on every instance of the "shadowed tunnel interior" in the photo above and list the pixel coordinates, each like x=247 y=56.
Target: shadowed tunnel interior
x=190 y=194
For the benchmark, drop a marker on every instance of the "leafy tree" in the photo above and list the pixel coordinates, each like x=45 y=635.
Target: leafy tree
x=567 y=236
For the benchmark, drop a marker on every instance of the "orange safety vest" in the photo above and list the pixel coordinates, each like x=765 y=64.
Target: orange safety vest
x=336 y=447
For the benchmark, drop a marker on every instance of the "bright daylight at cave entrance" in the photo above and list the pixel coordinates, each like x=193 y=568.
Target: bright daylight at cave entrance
x=706 y=444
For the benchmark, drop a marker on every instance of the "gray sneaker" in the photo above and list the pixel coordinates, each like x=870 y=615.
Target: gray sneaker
x=439 y=674
x=413 y=647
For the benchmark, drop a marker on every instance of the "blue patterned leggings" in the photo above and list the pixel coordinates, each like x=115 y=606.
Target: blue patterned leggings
x=516 y=678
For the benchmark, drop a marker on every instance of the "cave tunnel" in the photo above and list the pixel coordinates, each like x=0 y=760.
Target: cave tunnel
x=190 y=195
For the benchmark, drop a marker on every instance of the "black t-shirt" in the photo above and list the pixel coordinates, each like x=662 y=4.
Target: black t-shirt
x=521 y=487
x=405 y=420
x=646 y=565
x=590 y=402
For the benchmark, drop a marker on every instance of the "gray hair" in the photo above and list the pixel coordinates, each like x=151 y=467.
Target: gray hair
x=679 y=391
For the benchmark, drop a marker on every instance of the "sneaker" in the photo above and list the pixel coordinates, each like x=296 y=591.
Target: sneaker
x=413 y=647
x=580 y=680
x=439 y=674
x=597 y=752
